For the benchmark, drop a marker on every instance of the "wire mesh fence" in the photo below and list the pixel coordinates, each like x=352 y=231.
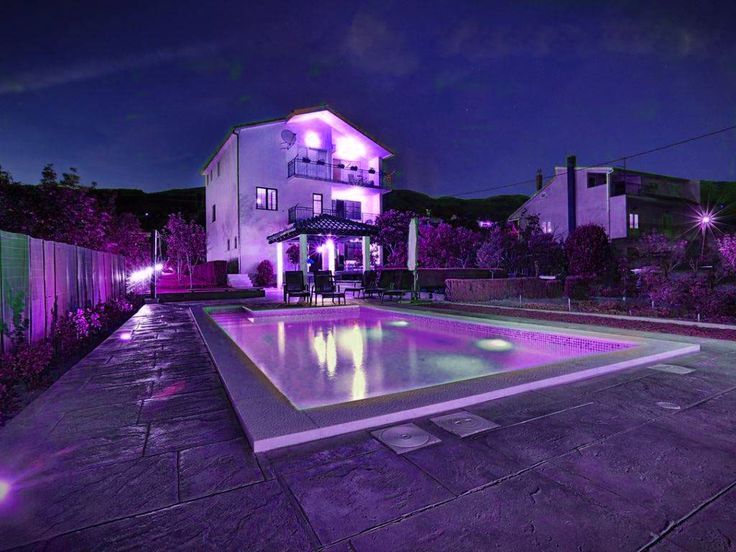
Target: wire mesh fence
x=42 y=277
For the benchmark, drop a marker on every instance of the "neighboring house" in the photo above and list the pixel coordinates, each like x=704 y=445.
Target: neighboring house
x=310 y=178
x=625 y=202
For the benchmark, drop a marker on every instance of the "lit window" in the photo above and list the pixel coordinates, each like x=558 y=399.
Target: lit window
x=267 y=199
x=547 y=227
x=214 y=213
x=634 y=221
x=317 y=204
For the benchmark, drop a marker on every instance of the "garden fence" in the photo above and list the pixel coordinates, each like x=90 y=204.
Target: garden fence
x=46 y=275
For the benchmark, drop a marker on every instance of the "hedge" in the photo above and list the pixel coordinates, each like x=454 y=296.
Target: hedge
x=477 y=290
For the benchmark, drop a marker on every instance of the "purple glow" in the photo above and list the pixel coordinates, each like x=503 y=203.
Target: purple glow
x=312 y=139
x=349 y=148
x=4 y=490
x=126 y=336
x=349 y=354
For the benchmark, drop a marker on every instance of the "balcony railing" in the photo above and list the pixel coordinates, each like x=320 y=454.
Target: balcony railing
x=339 y=171
x=297 y=212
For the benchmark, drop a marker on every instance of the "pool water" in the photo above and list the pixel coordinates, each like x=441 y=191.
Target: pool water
x=335 y=355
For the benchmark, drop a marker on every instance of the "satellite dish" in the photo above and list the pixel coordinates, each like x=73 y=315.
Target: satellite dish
x=287 y=138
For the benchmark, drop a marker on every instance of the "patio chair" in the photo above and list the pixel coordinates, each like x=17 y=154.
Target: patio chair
x=377 y=284
x=367 y=284
x=294 y=286
x=324 y=286
x=401 y=283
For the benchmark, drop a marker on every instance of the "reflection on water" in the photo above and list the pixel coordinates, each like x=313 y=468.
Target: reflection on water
x=319 y=360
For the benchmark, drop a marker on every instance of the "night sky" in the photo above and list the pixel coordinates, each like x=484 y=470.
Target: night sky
x=469 y=95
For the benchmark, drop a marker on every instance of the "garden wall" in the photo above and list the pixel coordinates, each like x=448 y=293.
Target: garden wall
x=478 y=290
x=42 y=273
x=211 y=274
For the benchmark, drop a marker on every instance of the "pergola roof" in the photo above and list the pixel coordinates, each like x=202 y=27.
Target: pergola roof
x=325 y=225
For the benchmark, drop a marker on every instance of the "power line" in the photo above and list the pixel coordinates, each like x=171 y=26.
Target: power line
x=609 y=162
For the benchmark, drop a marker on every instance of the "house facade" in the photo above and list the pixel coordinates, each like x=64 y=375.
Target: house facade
x=311 y=179
x=625 y=202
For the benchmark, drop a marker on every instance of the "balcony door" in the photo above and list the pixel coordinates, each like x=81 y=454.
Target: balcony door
x=317 y=166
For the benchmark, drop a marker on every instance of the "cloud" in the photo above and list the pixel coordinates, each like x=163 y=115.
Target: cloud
x=39 y=79
x=372 y=46
x=620 y=35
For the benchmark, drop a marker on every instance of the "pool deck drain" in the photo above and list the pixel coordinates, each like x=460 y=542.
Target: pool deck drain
x=405 y=438
x=463 y=423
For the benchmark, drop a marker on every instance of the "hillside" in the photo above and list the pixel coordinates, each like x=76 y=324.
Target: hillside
x=495 y=208
x=153 y=208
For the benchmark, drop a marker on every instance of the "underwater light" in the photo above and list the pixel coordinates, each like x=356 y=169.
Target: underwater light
x=496 y=345
x=4 y=490
x=398 y=323
x=126 y=336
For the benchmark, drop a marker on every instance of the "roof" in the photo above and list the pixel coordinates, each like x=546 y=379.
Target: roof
x=294 y=113
x=517 y=214
x=326 y=225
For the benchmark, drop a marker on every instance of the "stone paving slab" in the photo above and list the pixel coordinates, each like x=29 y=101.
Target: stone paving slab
x=137 y=447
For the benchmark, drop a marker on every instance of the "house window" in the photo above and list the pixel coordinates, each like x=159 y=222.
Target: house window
x=267 y=199
x=228 y=244
x=596 y=179
x=346 y=209
x=218 y=168
x=214 y=213
x=236 y=243
x=634 y=221
x=547 y=226
x=317 y=204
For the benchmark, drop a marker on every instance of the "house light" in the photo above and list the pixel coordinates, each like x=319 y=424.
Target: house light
x=312 y=139
x=350 y=148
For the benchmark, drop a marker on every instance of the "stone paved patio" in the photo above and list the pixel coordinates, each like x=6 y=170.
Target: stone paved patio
x=137 y=447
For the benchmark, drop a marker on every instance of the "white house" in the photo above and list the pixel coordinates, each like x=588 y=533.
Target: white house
x=311 y=178
x=626 y=203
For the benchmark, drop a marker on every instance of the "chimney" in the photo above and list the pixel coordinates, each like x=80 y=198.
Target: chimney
x=540 y=179
x=571 y=203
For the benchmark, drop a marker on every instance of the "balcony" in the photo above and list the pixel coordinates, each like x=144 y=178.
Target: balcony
x=297 y=212
x=338 y=171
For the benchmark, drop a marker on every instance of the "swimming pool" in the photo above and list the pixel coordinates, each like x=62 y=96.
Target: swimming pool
x=297 y=375
x=330 y=356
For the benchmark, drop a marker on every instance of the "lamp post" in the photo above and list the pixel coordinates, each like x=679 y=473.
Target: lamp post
x=706 y=220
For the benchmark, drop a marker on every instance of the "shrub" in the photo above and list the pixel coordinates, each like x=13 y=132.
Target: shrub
x=588 y=252
x=264 y=273
x=29 y=363
x=7 y=399
x=292 y=255
x=579 y=286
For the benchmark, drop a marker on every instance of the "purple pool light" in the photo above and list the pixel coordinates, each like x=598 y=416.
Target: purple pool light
x=126 y=336
x=332 y=356
x=4 y=490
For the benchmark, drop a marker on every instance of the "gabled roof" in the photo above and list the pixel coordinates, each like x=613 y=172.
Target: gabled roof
x=325 y=225
x=296 y=113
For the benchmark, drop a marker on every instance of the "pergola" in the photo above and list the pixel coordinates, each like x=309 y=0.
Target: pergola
x=324 y=225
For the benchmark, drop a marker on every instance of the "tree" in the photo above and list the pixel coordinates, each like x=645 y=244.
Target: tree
x=727 y=250
x=658 y=250
x=48 y=175
x=393 y=233
x=186 y=243
x=588 y=251
x=292 y=254
x=443 y=246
